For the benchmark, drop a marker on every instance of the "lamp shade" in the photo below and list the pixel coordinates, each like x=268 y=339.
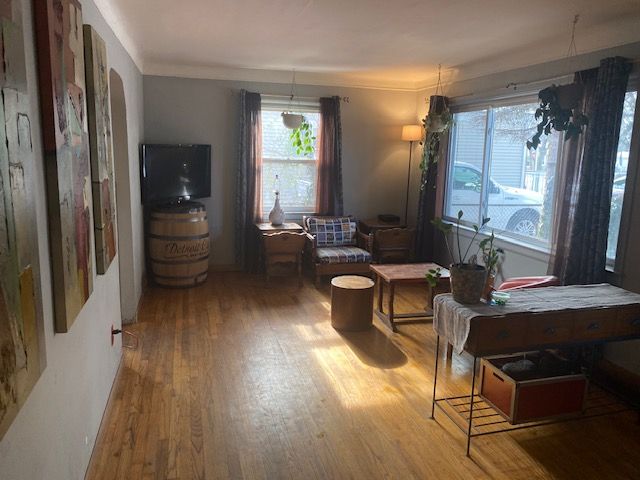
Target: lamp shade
x=411 y=133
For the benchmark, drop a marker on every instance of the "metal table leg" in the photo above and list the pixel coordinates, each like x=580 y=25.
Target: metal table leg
x=473 y=387
x=435 y=377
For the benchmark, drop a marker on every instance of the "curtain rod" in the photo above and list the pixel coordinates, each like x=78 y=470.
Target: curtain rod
x=301 y=97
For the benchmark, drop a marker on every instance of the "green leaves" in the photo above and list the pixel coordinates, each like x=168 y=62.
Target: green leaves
x=433 y=275
x=302 y=139
x=552 y=116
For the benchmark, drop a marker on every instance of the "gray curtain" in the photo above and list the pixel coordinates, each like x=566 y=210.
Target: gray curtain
x=329 y=177
x=248 y=180
x=585 y=182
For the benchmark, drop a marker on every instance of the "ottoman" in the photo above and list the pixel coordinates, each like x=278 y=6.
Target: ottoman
x=351 y=303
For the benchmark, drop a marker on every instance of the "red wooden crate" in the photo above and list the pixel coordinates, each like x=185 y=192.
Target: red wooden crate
x=533 y=399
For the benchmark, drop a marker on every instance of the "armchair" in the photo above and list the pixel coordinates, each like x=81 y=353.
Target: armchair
x=336 y=247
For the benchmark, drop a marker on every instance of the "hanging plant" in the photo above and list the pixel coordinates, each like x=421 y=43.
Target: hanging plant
x=558 y=108
x=302 y=139
x=558 y=111
x=436 y=125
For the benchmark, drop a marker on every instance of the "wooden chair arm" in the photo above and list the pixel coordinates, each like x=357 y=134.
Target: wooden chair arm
x=311 y=244
x=365 y=241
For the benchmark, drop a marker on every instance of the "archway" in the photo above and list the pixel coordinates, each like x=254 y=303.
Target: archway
x=128 y=303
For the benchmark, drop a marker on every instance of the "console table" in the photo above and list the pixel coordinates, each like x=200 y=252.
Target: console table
x=534 y=319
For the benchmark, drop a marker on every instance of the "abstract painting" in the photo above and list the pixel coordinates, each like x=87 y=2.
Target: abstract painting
x=102 y=177
x=61 y=73
x=22 y=353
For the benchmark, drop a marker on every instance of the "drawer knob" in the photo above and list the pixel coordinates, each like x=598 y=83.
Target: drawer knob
x=502 y=334
x=550 y=331
x=593 y=326
x=635 y=322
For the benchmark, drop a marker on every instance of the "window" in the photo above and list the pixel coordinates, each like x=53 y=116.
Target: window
x=296 y=173
x=493 y=175
x=620 y=175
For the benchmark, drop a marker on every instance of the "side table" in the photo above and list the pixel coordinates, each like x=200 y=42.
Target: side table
x=265 y=228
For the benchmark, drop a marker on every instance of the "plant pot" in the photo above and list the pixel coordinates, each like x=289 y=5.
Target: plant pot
x=467 y=282
x=292 y=120
x=488 y=286
x=569 y=96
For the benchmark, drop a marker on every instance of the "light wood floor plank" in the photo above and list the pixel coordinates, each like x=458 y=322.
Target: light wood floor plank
x=241 y=380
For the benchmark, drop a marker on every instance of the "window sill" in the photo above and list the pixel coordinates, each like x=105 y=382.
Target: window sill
x=537 y=252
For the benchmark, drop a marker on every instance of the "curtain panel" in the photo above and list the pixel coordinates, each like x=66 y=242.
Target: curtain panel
x=329 y=199
x=248 y=179
x=585 y=181
x=428 y=200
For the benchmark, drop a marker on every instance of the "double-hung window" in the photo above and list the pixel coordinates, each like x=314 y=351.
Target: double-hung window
x=296 y=172
x=493 y=175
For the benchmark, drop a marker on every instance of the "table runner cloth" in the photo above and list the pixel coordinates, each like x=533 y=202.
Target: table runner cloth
x=452 y=320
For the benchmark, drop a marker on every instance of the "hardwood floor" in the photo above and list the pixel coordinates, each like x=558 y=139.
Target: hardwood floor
x=235 y=379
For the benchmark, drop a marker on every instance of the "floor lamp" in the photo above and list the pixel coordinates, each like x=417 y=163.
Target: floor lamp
x=410 y=133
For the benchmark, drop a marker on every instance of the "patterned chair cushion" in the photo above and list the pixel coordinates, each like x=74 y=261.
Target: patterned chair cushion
x=343 y=255
x=332 y=232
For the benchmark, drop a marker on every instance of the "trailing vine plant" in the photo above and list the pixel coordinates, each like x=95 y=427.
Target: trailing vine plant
x=302 y=139
x=436 y=125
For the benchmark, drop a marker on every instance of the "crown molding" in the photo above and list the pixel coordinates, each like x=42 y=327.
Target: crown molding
x=113 y=20
x=275 y=76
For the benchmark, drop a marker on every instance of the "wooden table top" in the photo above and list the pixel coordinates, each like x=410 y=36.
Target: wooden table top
x=266 y=227
x=407 y=272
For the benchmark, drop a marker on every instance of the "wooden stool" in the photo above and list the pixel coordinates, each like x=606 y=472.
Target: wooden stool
x=351 y=303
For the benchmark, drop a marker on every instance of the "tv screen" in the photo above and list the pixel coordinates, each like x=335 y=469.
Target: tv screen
x=175 y=172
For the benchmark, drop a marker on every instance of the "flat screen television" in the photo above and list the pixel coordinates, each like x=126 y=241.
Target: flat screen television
x=172 y=173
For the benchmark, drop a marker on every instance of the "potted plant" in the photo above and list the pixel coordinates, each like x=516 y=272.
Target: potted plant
x=436 y=124
x=467 y=278
x=558 y=110
x=491 y=257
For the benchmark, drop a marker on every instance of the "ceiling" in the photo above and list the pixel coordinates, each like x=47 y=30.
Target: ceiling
x=376 y=43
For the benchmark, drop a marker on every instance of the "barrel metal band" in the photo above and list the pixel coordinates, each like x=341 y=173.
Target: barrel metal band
x=181 y=237
x=180 y=262
x=177 y=220
x=181 y=276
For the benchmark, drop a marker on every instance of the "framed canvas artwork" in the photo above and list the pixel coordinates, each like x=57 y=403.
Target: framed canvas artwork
x=102 y=176
x=22 y=350
x=61 y=73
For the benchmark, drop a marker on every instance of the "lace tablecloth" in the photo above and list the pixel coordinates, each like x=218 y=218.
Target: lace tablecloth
x=452 y=320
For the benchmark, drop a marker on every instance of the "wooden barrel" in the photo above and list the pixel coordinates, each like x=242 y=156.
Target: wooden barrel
x=179 y=245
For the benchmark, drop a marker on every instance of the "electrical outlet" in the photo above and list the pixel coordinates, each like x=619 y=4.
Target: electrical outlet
x=86 y=440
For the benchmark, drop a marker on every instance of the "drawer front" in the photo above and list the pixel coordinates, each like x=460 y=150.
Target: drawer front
x=546 y=329
x=628 y=321
x=500 y=334
x=595 y=324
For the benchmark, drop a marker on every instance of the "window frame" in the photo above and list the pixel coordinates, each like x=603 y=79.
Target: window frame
x=489 y=106
x=615 y=266
x=281 y=103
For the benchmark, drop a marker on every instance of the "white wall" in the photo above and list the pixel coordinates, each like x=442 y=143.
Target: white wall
x=54 y=432
x=179 y=110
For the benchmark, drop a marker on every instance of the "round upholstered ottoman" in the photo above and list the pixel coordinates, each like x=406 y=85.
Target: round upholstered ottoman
x=351 y=303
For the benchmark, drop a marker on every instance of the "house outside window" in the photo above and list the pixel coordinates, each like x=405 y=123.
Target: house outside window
x=493 y=175
x=296 y=172
x=620 y=175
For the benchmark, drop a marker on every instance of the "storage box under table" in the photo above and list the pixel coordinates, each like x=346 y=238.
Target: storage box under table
x=533 y=396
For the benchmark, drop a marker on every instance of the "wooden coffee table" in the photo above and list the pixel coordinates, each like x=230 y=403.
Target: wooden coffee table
x=407 y=274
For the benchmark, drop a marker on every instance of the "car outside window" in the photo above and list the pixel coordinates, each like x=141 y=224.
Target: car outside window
x=488 y=147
